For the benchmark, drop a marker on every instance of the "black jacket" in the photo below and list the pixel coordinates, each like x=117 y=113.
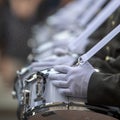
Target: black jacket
x=104 y=88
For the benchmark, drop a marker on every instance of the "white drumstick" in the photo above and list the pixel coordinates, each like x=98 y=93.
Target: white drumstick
x=82 y=59
x=94 y=25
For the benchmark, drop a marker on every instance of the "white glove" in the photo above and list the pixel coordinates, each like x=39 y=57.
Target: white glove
x=52 y=61
x=61 y=51
x=72 y=81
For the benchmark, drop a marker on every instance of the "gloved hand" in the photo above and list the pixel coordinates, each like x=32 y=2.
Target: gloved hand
x=62 y=51
x=52 y=61
x=49 y=48
x=72 y=81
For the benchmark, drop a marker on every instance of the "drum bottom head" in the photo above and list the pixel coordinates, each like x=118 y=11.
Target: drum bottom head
x=71 y=115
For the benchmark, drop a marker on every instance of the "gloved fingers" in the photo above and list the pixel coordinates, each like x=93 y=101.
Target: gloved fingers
x=60 y=83
x=65 y=91
x=70 y=78
x=40 y=68
x=51 y=58
x=41 y=64
x=56 y=76
x=60 y=51
x=86 y=65
x=62 y=68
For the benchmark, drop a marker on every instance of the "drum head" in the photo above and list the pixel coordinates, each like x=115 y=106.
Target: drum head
x=71 y=115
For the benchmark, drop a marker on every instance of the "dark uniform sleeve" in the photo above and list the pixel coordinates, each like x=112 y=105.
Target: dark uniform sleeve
x=104 y=89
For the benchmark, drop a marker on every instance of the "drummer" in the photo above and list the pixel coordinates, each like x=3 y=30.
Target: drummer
x=97 y=88
x=88 y=75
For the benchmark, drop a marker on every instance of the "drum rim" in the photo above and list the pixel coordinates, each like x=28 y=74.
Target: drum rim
x=51 y=107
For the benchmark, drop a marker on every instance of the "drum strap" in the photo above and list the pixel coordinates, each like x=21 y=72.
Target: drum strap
x=82 y=59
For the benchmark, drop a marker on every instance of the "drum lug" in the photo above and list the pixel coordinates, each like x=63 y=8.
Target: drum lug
x=31 y=78
x=26 y=100
x=39 y=88
x=14 y=95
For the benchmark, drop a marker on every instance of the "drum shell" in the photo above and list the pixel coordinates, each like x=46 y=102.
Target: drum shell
x=53 y=105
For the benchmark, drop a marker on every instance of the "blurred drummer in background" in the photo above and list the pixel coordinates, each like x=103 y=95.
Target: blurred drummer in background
x=16 y=20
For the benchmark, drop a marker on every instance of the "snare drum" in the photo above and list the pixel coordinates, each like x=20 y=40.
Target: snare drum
x=40 y=100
